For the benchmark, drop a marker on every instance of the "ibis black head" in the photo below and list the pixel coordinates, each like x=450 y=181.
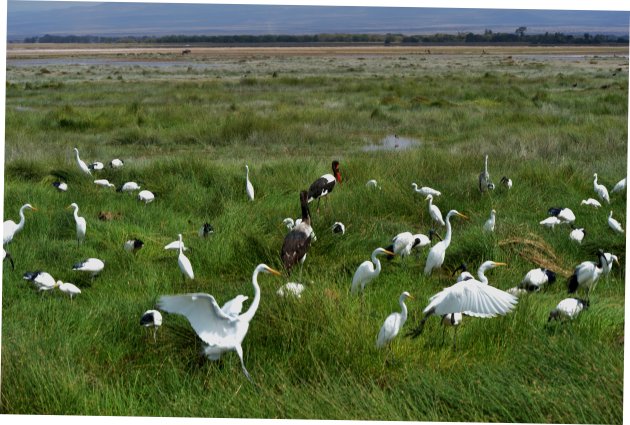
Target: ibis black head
x=137 y=244
x=554 y=211
x=504 y=179
x=207 y=229
x=585 y=303
x=551 y=276
x=463 y=267
x=490 y=186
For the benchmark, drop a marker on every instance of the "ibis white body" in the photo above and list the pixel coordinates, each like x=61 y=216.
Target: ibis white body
x=43 y=281
x=92 y=265
x=568 y=308
x=291 y=289
x=103 y=183
x=116 y=163
x=129 y=187
x=551 y=222
x=146 y=196
x=536 y=279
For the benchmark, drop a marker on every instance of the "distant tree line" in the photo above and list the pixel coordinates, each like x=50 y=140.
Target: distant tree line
x=488 y=36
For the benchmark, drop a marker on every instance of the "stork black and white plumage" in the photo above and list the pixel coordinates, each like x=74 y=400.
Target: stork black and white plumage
x=324 y=185
x=506 y=182
x=146 y=196
x=93 y=266
x=488 y=226
x=587 y=274
x=133 y=245
x=425 y=190
x=68 y=288
x=249 y=187
x=60 y=186
x=298 y=241
x=103 y=183
x=614 y=224
x=116 y=163
x=183 y=262
x=565 y=215
x=206 y=230
x=435 y=259
x=128 y=187
x=620 y=186
x=82 y=166
x=469 y=297
x=434 y=211
x=577 y=234
x=338 y=228
x=568 y=308
x=10 y=228
x=220 y=332
x=484 y=178
x=81 y=224
x=7 y=256
x=43 y=281
x=601 y=190
x=367 y=271
x=393 y=323
x=96 y=166
x=151 y=319
x=536 y=279
x=591 y=202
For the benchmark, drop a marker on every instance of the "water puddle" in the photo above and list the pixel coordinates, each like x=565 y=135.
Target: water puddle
x=392 y=142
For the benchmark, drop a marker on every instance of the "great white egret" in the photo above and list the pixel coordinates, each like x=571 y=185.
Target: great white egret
x=291 y=288
x=506 y=182
x=10 y=228
x=434 y=211
x=116 y=163
x=485 y=266
x=591 y=202
x=184 y=263
x=205 y=230
x=133 y=245
x=103 y=183
x=68 y=288
x=219 y=331
x=60 y=186
x=7 y=256
x=151 y=318
x=146 y=196
x=81 y=164
x=425 y=190
x=80 y=222
x=614 y=224
x=577 y=234
x=565 y=215
x=367 y=271
x=568 y=308
x=249 y=187
x=234 y=306
x=324 y=185
x=587 y=274
x=43 y=281
x=394 y=322
x=620 y=186
x=176 y=245
x=488 y=226
x=298 y=241
x=92 y=265
x=435 y=259
x=469 y=297
x=128 y=187
x=535 y=279
x=601 y=190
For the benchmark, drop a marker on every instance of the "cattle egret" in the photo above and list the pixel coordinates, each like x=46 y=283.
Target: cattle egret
x=425 y=191
x=577 y=234
x=92 y=265
x=614 y=224
x=68 y=288
x=152 y=318
x=601 y=190
x=80 y=222
x=103 y=183
x=568 y=308
x=367 y=271
x=324 y=185
x=434 y=211
x=435 y=259
x=489 y=224
x=591 y=202
x=219 y=331
x=184 y=263
x=587 y=274
x=298 y=241
x=61 y=186
x=291 y=289
x=10 y=228
x=81 y=164
x=146 y=196
x=620 y=186
x=249 y=187
x=394 y=322
x=133 y=245
x=535 y=279
x=128 y=187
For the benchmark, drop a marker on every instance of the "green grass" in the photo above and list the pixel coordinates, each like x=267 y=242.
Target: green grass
x=187 y=136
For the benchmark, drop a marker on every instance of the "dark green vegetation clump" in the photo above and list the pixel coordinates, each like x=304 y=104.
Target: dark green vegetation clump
x=187 y=135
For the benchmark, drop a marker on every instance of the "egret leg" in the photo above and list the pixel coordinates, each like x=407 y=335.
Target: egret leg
x=455 y=339
x=155 y=333
x=239 y=351
x=443 y=333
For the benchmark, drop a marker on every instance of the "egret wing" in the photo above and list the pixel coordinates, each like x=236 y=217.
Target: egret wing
x=389 y=329
x=473 y=298
x=204 y=314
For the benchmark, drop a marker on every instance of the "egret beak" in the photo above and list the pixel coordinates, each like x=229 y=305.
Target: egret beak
x=462 y=216
x=427 y=198
x=500 y=264
x=34 y=209
x=411 y=297
x=616 y=261
x=388 y=252
x=274 y=272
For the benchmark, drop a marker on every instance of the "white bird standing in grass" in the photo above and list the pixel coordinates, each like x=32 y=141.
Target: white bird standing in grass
x=81 y=224
x=10 y=228
x=587 y=274
x=116 y=163
x=425 y=190
x=61 y=186
x=453 y=320
x=404 y=242
x=485 y=266
x=434 y=211
x=97 y=166
x=68 y=288
x=535 y=279
x=394 y=322
x=591 y=202
x=152 y=318
x=565 y=215
x=103 y=183
x=218 y=330
x=176 y=245
x=551 y=222
x=128 y=187
x=249 y=186
x=600 y=189
x=568 y=308
x=620 y=186
x=489 y=224
x=133 y=245
x=609 y=262
x=234 y=306
x=577 y=234
x=146 y=196
x=184 y=262
x=291 y=288
x=92 y=265
x=435 y=259
x=43 y=281
x=614 y=224
x=367 y=271
x=82 y=164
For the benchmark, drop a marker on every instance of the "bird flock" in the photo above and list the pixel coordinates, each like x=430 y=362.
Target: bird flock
x=223 y=329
